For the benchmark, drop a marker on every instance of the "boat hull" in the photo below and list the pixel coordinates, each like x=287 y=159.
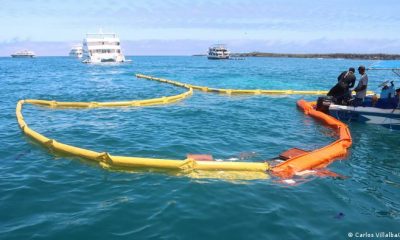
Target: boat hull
x=218 y=57
x=22 y=56
x=116 y=59
x=389 y=118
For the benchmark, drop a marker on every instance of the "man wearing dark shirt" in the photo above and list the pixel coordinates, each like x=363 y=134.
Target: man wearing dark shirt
x=341 y=91
x=350 y=79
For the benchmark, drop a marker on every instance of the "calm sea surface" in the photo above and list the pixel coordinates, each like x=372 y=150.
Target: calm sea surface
x=43 y=196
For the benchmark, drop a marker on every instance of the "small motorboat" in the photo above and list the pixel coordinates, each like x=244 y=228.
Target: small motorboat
x=375 y=109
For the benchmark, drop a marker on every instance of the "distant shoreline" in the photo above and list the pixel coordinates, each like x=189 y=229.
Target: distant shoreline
x=361 y=56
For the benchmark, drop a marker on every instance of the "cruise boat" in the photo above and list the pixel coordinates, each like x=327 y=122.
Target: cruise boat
x=76 y=51
x=23 y=54
x=374 y=110
x=218 y=51
x=102 y=47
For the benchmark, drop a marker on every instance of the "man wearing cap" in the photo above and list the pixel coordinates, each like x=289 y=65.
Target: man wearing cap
x=361 y=89
x=387 y=92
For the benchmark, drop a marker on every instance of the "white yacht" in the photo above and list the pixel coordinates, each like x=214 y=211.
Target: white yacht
x=218 y=51
x=23 y=54
x=102 y=47
x=76 y=51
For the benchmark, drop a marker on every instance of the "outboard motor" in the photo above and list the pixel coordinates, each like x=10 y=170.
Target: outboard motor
x=323 y=104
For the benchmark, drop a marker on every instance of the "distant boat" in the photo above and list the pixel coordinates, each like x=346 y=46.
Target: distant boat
x=218 y=51
x=102 y=47
x=76 y=51
x=23 y=54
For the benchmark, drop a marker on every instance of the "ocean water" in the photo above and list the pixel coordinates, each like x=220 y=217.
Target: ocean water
x=46 y=196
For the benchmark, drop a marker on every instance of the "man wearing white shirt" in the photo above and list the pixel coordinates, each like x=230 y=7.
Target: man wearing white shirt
x=361 y=89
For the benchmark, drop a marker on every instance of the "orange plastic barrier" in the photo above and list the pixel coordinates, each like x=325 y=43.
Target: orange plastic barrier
x=321 y=157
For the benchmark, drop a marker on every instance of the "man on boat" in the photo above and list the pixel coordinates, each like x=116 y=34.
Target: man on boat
x=361 y=89
x=387 y=92
x=341 y=91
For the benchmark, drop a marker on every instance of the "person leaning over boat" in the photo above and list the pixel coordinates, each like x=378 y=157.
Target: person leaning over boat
x=348 y=80
x=341 y=91
x=361 y=89
x=344 y=75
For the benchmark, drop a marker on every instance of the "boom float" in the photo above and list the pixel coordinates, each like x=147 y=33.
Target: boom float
x=107 y=160
x=233 y=91
x=318 y=158
x=189 y=166
x=238 y=91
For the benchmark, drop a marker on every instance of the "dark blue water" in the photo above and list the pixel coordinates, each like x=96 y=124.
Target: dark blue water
x=43 y=196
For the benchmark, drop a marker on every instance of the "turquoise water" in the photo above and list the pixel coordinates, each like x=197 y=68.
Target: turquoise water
x=43 y=196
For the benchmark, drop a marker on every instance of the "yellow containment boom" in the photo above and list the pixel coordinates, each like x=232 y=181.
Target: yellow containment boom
x=240 y=170
x=190 y=167
x=238 y=91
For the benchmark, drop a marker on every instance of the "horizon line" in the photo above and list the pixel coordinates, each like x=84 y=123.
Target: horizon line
x=235 y=53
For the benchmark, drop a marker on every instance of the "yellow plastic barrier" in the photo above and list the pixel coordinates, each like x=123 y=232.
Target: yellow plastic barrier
x=135 y=103
x=190 y=167
x=239 y=91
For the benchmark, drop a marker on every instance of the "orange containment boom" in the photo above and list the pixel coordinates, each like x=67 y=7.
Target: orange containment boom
x=318 y=158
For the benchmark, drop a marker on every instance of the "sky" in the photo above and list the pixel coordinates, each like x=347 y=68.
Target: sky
x=186 y=27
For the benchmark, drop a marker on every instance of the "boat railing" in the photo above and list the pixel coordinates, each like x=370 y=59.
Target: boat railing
x=101 y=35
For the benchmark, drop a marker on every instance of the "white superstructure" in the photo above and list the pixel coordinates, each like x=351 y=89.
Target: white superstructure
x=76 y=51
x=23 y=54
x=218 y=51
x=102 y=47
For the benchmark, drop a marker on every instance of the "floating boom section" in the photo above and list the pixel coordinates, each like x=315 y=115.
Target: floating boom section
x=134 y=103
x=107 y=160
x=238 y=91
x=240 y=170
x=318 y=158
